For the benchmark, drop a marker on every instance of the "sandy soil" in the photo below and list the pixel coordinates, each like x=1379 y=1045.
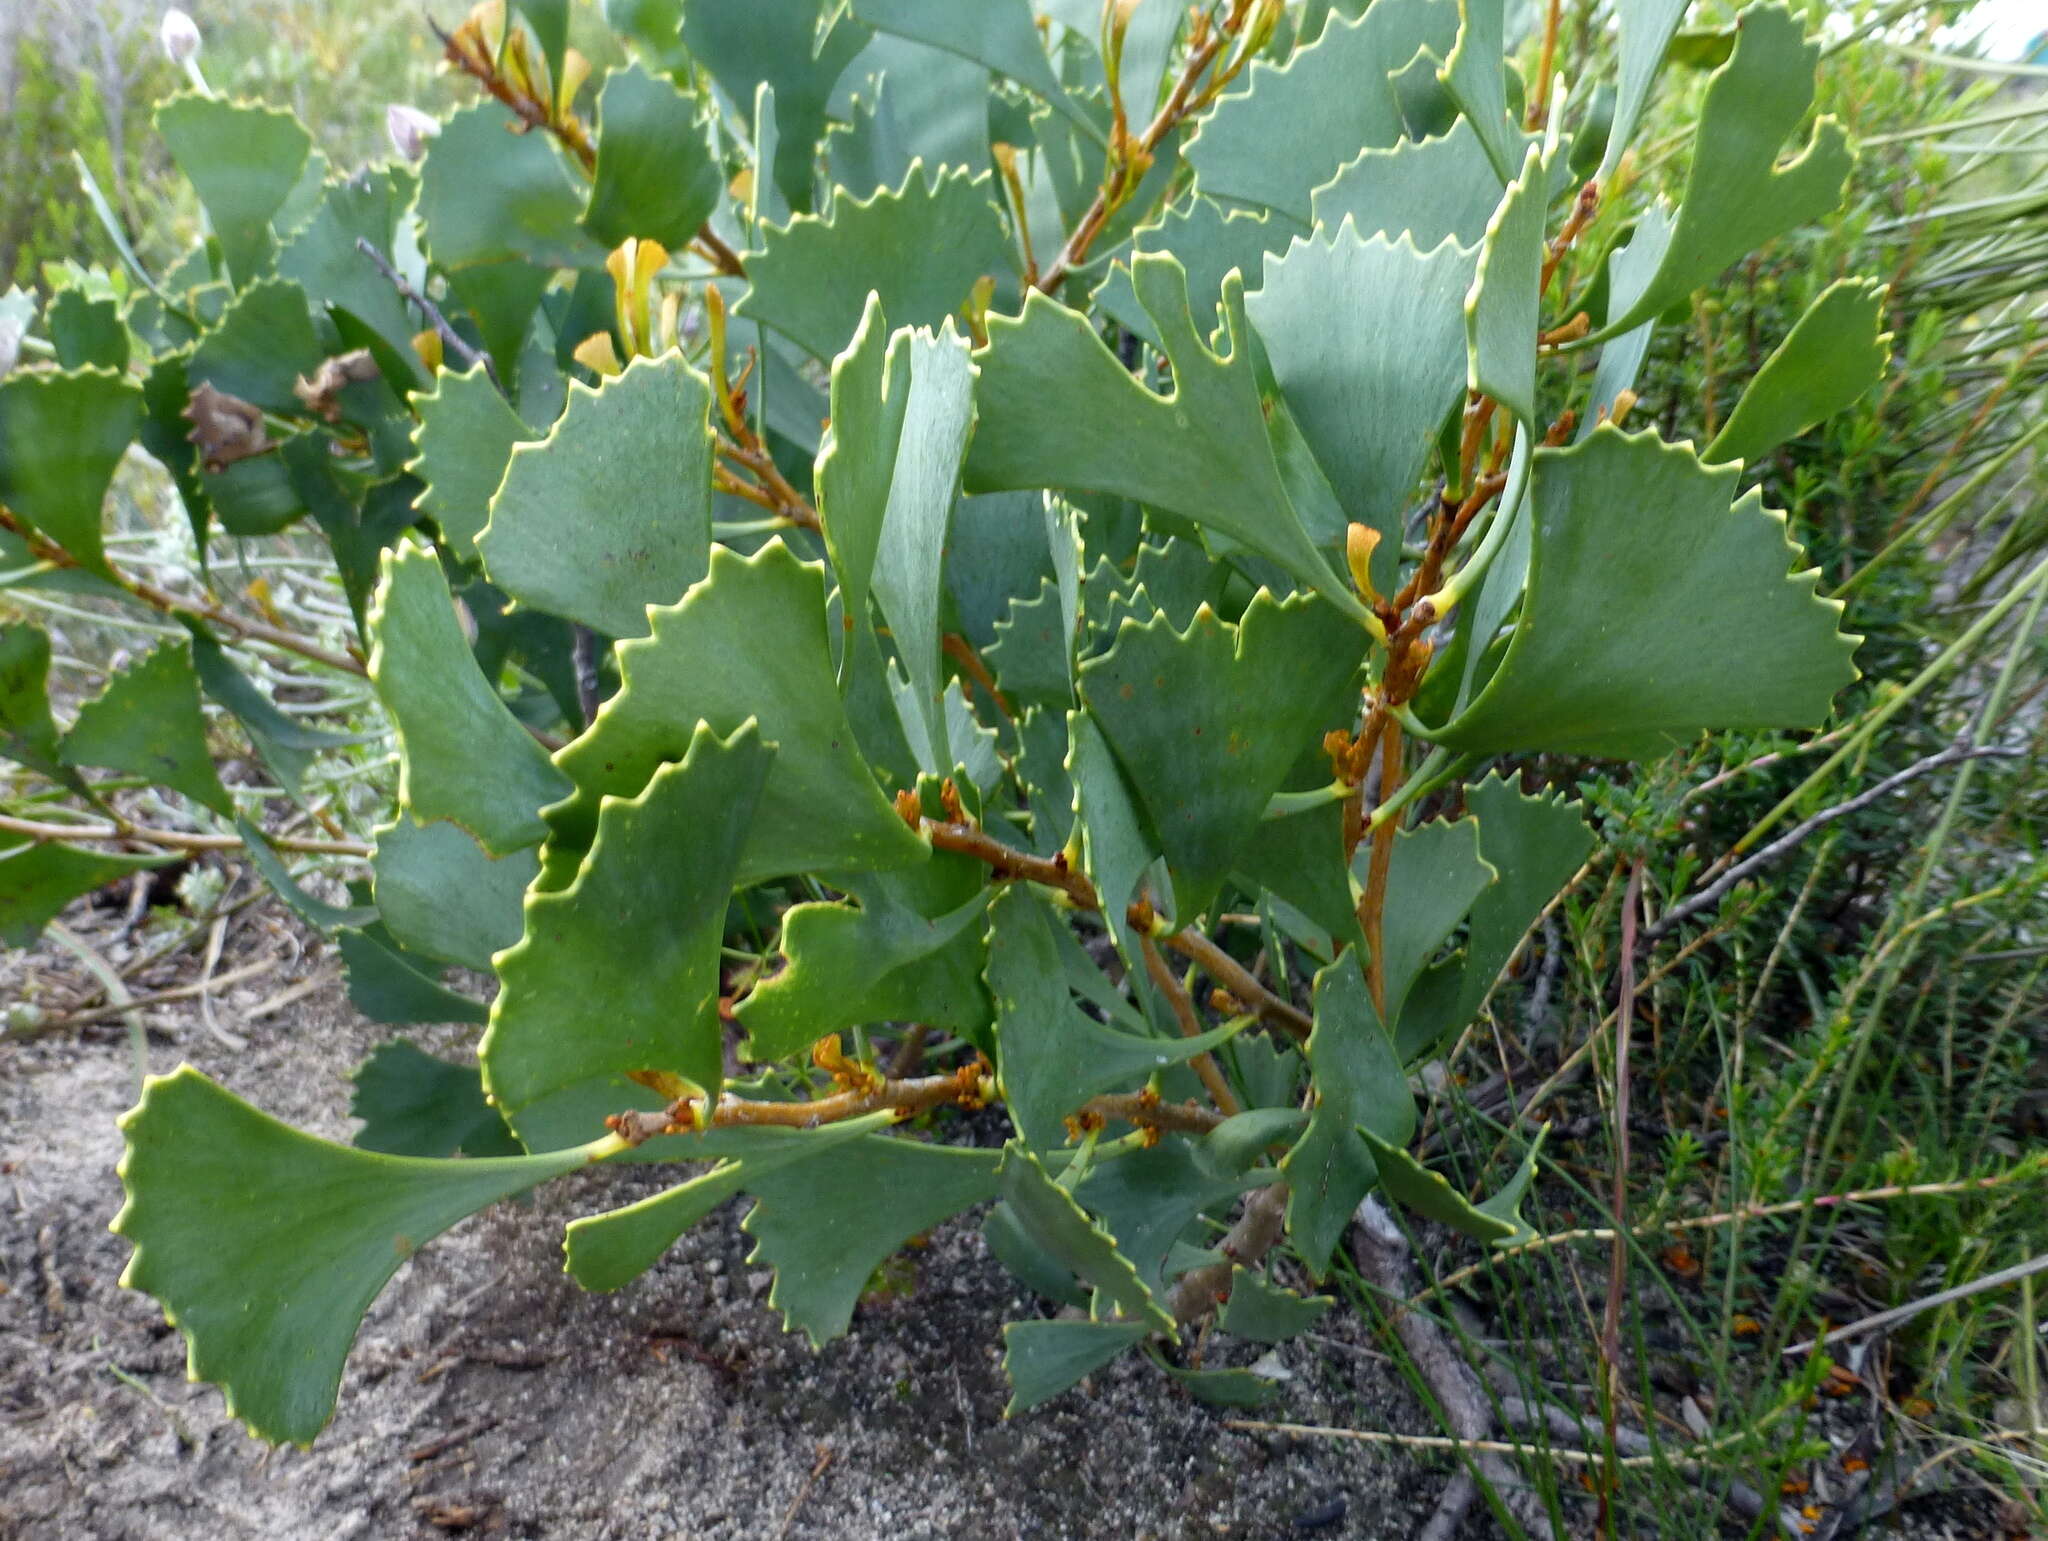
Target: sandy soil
x=488 y=1395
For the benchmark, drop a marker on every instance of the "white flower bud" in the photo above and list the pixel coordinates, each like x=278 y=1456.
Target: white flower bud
x=179 y=35
x=10 y=344
x=409 y=130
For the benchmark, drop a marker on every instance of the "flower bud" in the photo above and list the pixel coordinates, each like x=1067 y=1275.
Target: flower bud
x=10 y=344
x=409 y=130
x=180 y=36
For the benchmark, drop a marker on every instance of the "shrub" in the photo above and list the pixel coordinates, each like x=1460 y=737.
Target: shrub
x=1195 y=550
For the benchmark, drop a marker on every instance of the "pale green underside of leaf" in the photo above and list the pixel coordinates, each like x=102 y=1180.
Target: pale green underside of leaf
x=465 y=757
x=627 y=469
x=812 y=277
x=1836 y=352
x=747 y=642
x=1655 y=611
x=619 y=970
x=1475 y=75
x=1646 y=28
x=1209 y=241
x=265 y=1246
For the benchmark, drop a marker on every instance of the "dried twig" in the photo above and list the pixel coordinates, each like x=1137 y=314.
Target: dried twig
x=451 y=339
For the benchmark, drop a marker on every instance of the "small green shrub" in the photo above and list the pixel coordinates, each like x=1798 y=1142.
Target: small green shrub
x=889 y=544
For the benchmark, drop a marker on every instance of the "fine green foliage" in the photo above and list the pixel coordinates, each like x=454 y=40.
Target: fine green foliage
x=1004 y=599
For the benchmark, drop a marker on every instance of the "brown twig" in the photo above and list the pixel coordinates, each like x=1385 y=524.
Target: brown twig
x=451 y=339
x=172 y=839
x=1134 y=157
x=1233 y=976
x=969 y=1086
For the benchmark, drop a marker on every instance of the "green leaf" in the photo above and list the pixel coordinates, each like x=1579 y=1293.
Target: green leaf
x=619 y=970
x=911 y=949
x=887 y=481
x=61 y=438
x=1265 y=1313
x=1435 y=189
x=998 y=34
x=1116 y=848
x=1654 y=611
x=1207 y=723
x=1223 y=1388
x=413 y=1104
x=1050 y=1217
x=321 y=257
x=1646 y=29
x=464 y=441
x=1504 y=311
x=1535 y=844
x=1300 y=859
x=1358 y=1081
x=1286 y=133
x=1056 y=409
x=657 y=177
x=87 y=331
x=746 y=44
x=490 y=195
x=1029 y=1263
x=1836 y=352
x=1043 y=1359
x=28 y=733
x=1427 y=1193
x=243 y=160
x=37 y=881
x=1032 y=657
x=285 y=744
x=317 y=913
x=921 y=247
x=442 y=894
x=1475 y=75
x=825 y=1227
x=1210 y=242
x=386 y=984
x=148 y=722
x=263 y=342
x=609 y=1251
x=550 y=22
x=265 y=1246
x=627 y=469
x=464 y=756
x=1435 y=875
x=1736 y=195
x=1629 y=271
x=748 y=641
x=1149 y=1198
x=1052 y=1055
x=1363 y=337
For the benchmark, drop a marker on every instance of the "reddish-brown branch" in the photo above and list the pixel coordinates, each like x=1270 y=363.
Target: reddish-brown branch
x=1190 y=1027
x=1132 y=158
